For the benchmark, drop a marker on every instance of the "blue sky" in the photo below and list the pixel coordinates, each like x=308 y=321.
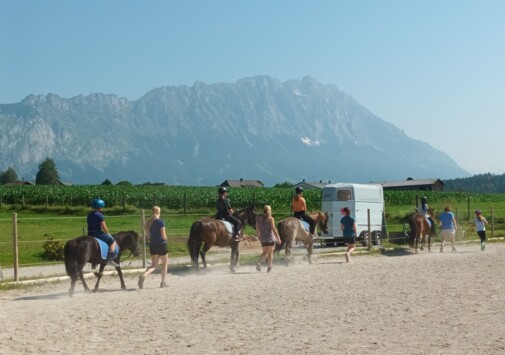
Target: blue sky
x=434 y=68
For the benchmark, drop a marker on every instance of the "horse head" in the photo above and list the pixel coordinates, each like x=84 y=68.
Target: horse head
x=130 y=241
x=322 y=221
x=247 y=216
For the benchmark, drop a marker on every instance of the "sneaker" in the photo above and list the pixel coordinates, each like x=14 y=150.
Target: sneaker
x=453 y=250
x=269 y=269
x=441 y=249
x=347 y=257
x=163 y=284
x=141 y=281
x=483 y=246
x=258 y=266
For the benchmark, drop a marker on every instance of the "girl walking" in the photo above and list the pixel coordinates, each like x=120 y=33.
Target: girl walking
x=268 y=236
x=156 y=233
x=480 y=226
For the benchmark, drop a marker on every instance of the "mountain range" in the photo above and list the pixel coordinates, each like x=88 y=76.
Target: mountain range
x=256 y=128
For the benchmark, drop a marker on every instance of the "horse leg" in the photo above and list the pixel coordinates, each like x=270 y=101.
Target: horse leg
x=99 y=276
x=310 y=247
x=237 y=252
x=234 y=248
x=120 y=273
x=429 y=242
x=287 y=252
x=202 y=254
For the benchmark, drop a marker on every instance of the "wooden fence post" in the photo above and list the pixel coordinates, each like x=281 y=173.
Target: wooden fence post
x=185 y=203
x=468 y=208
x=143 y=222
x=15 y=245
x=492 y=222
x=47 y=201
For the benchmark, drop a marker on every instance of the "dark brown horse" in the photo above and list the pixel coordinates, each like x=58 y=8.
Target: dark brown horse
x=209 y=232
x=420 y=229
x=85 y=249
x=291 y=229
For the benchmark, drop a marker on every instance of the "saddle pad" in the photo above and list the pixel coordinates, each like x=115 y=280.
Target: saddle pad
x=228 y=225
x=104 y=249
x=305 y=225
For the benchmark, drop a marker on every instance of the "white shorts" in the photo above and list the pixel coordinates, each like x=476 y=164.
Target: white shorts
x=447 y=233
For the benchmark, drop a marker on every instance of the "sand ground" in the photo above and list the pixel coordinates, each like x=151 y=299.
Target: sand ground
x=394 y=303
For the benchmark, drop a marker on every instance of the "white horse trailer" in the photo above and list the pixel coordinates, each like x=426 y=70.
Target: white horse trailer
x=359 y=198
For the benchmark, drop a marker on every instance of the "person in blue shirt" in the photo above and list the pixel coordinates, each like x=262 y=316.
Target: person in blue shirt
x=348 y=227
x=156 y=234
x=448 y=226
x=98 y=229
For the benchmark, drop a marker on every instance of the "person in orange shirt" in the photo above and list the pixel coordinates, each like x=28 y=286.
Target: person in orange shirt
x=299 y=207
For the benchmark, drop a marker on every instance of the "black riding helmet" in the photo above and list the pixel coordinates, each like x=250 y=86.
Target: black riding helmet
x=222 y=190
x=299 y=189
x=424 y=199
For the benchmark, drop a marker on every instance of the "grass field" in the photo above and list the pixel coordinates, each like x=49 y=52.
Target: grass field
x=37 y=224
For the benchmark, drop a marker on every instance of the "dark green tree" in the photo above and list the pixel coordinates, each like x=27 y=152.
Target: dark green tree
x=48 y=174
x=107 y=182
x=8 y=176
x=284 y=184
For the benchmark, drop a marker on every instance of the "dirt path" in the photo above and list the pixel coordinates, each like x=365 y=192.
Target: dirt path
x=396 y=304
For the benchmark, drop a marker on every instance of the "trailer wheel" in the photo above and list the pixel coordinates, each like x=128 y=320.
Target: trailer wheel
x=363 y=237
x=377 y=238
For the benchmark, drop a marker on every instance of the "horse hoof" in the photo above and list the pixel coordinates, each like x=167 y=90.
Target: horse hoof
x=310 y=261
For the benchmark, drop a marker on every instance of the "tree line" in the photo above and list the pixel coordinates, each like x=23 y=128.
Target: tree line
x=46 y=175
x=481 y=183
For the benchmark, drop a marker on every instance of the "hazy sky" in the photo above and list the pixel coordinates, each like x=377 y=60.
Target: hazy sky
x=434 y=68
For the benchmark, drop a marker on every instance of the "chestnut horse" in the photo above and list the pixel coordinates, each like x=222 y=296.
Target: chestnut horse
x=210 y=231
x=85 y=249
x=291 y=229
x=420 y=229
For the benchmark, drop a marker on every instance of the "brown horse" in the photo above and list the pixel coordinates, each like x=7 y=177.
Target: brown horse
x=210 y=231
x=421 y=229
x=291 y=229
x=85 y=249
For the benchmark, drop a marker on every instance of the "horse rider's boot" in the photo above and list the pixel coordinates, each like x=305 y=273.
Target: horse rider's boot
x=237 y=238
x=110 y=259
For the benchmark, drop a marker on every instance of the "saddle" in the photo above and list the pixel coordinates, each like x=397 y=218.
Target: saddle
x=304 y=224
x=228 y=225
x=104 y=249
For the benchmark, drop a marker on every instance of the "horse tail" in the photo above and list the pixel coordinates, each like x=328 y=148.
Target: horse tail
x=413 y=230
x=71 y=256
x=194 y=243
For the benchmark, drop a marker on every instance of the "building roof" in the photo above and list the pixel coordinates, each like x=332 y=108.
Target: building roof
x=420 y=182
x=314 y=185
x=242 y=183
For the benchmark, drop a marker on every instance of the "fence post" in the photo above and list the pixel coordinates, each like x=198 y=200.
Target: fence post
x=185 y=203
x=369 y=230
x=15 y=245
x=492 y=222
x=468 y=208
x=23 y=200
x=124 y=202
x=143 y=222
x=47 y=201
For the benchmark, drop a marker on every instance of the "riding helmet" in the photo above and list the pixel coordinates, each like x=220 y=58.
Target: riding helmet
x=424 y=199
x=98 y=203
x=299 y=189
x=222 y=190
x=478 y=212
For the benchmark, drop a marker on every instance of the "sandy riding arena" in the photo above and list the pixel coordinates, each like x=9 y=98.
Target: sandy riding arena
x=397 y=303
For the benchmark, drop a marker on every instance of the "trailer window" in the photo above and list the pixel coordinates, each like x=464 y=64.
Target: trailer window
x=344 y=195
